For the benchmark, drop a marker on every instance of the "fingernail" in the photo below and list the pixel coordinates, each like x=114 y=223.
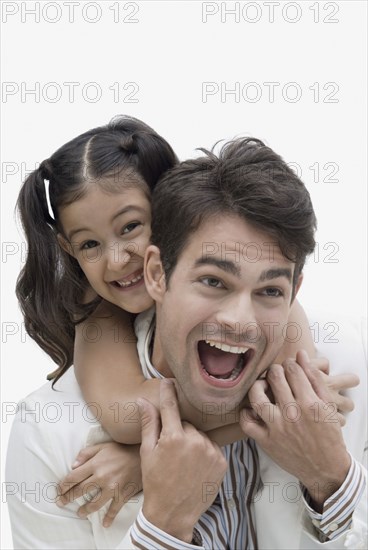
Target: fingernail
x=75 y=464
x=305 y=354
x=106 y=523
x=59 y=502
x=82 y=513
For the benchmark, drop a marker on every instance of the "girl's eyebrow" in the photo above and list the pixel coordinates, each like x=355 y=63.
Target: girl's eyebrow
x=124 y=210
x=128 y=209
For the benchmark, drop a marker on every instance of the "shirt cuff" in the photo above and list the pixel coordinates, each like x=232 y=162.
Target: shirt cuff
x=338 y=509
x=146 y=536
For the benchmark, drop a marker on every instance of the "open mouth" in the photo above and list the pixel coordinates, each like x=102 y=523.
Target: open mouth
x=222 y=364
x=127 y=282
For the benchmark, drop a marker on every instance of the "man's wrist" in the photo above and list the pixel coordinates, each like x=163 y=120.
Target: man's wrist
x=338 y=509
x=144 y=534
x=181 y=528
x=323 y=487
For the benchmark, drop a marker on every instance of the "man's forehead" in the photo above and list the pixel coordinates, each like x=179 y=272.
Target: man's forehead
x=229 y=238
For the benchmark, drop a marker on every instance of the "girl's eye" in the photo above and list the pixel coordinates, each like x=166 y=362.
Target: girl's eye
x=130 y=227
x=89 y=244
x=212 y=282
x=272 y=292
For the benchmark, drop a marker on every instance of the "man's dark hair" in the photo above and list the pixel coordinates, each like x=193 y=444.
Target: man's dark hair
x=247 y=179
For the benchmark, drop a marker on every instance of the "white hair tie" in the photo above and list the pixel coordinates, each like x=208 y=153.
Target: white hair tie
x=47 y=192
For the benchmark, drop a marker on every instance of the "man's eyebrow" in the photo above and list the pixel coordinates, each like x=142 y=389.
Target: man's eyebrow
x=269 y=274
x=225 y=265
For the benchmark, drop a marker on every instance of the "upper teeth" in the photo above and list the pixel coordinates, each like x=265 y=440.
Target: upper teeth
x=128 y=283
x=226 y=347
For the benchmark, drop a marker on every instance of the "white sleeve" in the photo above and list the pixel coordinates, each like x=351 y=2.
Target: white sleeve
x=347 y=352
x=36 y=461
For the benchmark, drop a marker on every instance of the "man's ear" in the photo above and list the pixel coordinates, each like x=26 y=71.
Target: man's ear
x=65 y=245
x=154 y=274
x=297 y=286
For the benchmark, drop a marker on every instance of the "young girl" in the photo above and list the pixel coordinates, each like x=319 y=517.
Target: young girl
x=86 y=215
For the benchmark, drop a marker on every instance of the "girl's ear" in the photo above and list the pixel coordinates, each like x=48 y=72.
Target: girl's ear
x=154 y=274
x=65 y=245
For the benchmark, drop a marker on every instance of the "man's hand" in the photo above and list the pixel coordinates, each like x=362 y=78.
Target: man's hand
x=177 y=464
x=301 y=429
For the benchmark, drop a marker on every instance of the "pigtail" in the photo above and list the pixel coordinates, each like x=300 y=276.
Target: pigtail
x=38 y=285
x=51 y=287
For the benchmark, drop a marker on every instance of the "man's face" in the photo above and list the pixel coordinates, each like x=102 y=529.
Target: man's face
x=222 y=320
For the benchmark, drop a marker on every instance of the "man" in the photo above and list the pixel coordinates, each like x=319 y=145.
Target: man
x=230 y=239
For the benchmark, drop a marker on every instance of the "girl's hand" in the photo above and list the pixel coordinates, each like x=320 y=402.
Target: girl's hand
x=108 y=471
x=336 y=385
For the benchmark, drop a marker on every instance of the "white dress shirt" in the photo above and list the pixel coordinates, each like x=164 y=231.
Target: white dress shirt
x=52 y=426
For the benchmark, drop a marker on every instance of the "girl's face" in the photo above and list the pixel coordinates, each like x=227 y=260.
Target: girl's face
x=108 y=234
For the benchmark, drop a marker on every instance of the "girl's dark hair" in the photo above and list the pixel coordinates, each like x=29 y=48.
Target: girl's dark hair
x=51 y=286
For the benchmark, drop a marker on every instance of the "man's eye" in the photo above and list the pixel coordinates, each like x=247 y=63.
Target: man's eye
x=212 y=282
x=89 y=244
x=273 y=292
x=130 y=227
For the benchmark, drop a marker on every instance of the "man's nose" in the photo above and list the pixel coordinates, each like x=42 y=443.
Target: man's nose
x=237 y=319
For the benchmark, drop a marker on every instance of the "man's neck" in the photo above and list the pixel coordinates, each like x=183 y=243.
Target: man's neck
x=157 y=357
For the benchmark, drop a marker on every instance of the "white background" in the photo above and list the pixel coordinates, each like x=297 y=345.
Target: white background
x=170 y=50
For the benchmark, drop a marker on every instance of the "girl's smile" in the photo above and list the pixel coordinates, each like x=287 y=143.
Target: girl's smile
x=108 y=233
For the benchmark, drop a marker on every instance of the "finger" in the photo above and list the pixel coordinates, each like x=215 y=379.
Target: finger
x=279 y=384
x=169 y=408
x=322 y=364
x=114 y=508
x=85 y=454
x=257 y=393
x=344 y=404
x=188 y=428
x=264 y=385
x=150 y=424
x=305 y=381
x=252 y=426
x=118 y=502
x=262 y=410
x=87 y=486
x=82 y=473
x=341 y=419
x=97 y=502
x=344 y=381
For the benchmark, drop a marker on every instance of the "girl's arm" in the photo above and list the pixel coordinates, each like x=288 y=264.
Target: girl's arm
x=108 y=371
x=297 y=335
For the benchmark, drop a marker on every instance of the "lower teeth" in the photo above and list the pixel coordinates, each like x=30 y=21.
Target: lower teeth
x=234 y=374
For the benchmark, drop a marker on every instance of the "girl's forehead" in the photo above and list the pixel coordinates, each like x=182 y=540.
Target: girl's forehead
x=100 y=206
x=120 y=182
x=97 y=197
